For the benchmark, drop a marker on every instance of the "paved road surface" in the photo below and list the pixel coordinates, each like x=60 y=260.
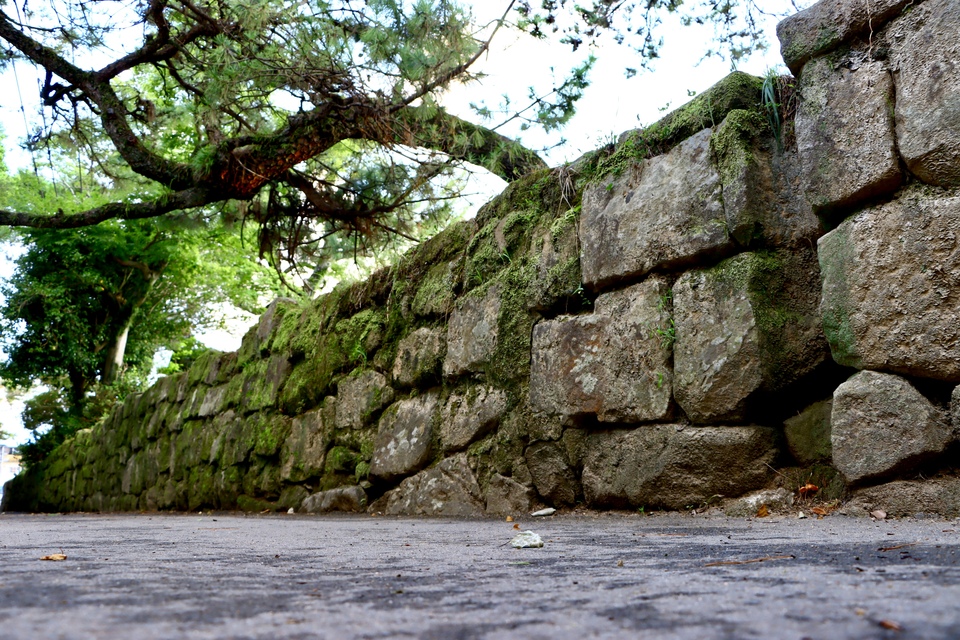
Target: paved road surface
x=610 y=576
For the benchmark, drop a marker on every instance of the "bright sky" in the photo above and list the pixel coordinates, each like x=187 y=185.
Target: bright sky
x=612 y=104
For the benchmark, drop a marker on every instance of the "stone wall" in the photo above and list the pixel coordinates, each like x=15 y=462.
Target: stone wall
x=661 y=324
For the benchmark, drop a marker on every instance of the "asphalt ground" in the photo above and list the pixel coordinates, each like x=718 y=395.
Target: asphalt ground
x=598 y=576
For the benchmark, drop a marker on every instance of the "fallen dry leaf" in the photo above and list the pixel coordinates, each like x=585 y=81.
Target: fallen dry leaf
x=890 y=624
x=807 y=489
x=765 y=559
x=763 y=512
x=509 y=518
x=820 y=511
x=516 y=526
x=619 y=563
x=55 y=557
x=878 y=514
x=899 y=546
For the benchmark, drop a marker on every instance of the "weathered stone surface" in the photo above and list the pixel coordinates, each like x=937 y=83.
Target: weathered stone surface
x=506 y=496
x=673 y=466
x=555 y=253
x=662 y=212
x=747 y=507
x=808 y=433
x=845 y=133
x=750 y=322
x=304 y=450
x=469 y=416
x=472 y=333
x=955 y=410
x=552 y=475
x=360 y=397
x=404 y=442
x=907 y=498
x=350 y=499
x=891 y=287
x=612 y=363
x=882 y=425
x=449 y=489
x=213 y=401
x=927 y=75
x=419 y=357
x=826 y=25
x=763 y=199
x=435 y=297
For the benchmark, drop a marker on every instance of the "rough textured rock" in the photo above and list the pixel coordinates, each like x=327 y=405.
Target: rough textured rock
x=748 y=506
x=552 y=475
x=826 y=25
x=906 y=498
x=506 y=496
x=751 y=322
x=213 y=401
x=419 y=357
x=808 y=433
x=469 y=416
x=675 y=466
x=955 y=410
x=925 y=54
x=891 y=287
x=304 y=450
x=882 y=425
x=845 y=133
x=472 y=333
x=350 y=499
x=613 y=363
x=359 y=397
x=763 y=201
x=404 y=442
x=449 y=489
x=662 y=212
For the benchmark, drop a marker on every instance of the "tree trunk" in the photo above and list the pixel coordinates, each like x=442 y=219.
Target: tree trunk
x=113 y=358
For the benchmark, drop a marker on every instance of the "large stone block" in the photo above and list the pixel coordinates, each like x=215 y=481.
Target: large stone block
x=845 y=133
x=891 y=287
x=360 y=397
x=419 y=357
x=613 y=363
x=829 y=23
x=449 y=489
x=908 y=498
x=405 y=437
x=882 y=425
x=350 y=499
x=926 y=64
x=663 y=212
x=506 y=496
x=675 y=466
x=763 y=202
x=471 y=415
x=472 y=333
x=304 y=451
x=750 y=323
x=551 y=473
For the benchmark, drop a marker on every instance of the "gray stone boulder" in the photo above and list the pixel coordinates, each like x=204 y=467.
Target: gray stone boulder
x=752 y=322
x=808 y=433
x=908 y=498
x=304 y=451
x=551 y=473
x=826 y=25
x=449 y=489
x=882 y=425
x=891 y=287
x=350 y=499
x=675 y=466
x=505 y=496
x=845 y=133
x=775 y=500
x=925 y=53
x=405 y=436
x=472 y=333
x=613 y=363
x=360 y=397
x=663 y=212
x=419 y=357
x=467 y=417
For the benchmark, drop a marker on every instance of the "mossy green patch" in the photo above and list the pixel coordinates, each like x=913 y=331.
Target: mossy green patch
x=836 y=256
x=200 y=370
